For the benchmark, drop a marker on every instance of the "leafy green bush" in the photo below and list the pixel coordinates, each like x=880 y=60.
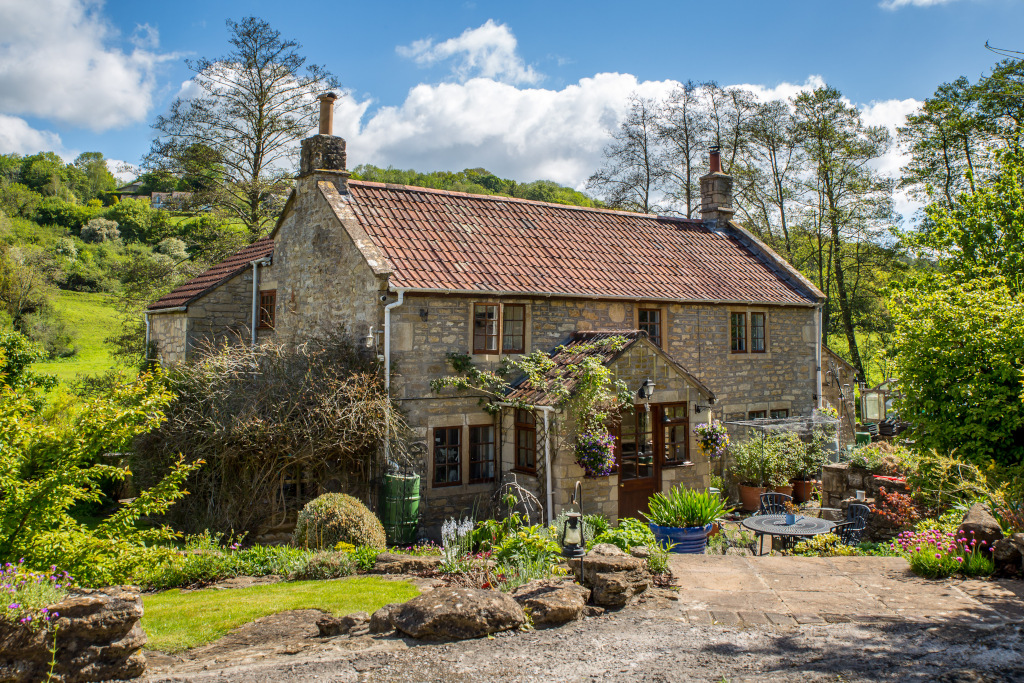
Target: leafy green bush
x=326 y=565
x=365 y=557
x=100 y=230
x=210 y=557
x=684 y=507
x=334 y=517
x=533 y=542
x=629 y=534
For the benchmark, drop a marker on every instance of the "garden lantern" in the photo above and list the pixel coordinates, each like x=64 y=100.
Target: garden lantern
x=646 y=391
x=574 y=546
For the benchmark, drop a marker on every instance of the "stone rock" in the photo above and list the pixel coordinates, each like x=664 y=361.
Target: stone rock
x=613 y=579
x=99 y=637
x=593 y=611
x=458 y=614
x=606 y=549
x=330 y=626
x=980 y=525
x=397 y=563
x=1009 y=553
x=552 y=603
x=640 y=551
x=380 y=621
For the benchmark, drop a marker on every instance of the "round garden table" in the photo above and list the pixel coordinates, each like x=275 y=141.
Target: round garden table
x=775 y=525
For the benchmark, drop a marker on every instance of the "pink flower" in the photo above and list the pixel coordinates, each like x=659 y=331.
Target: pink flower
x=938 y=556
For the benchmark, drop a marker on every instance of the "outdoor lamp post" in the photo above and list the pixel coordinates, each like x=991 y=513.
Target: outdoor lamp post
x=574 y=547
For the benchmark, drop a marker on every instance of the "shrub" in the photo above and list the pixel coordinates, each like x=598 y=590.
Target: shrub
x=51 y=332
x=746 y=463
x=135 y=218
x=823 y=545
x=532 y=543
x=54 y=211
x=334 y=517
x=897 y=507
x=100 y=230
x=629 y=534
x=683 y=507
x=173 y=248
x=326 y=565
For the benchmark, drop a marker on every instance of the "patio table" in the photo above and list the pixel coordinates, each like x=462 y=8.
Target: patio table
x=775 y=525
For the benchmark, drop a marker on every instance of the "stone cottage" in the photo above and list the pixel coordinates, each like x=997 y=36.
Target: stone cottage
x=717 y=322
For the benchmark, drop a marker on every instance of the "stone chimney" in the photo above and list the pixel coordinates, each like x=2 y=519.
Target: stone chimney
x=324 y=153
x=716 y=193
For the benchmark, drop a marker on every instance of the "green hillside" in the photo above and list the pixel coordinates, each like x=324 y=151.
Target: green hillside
x=93 y=317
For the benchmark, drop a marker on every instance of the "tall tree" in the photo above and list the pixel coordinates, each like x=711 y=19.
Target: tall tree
x=253 y=105
x=634 y=161
x=684 y=127
x=854 y=202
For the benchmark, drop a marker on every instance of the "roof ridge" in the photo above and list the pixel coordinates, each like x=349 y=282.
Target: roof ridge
x=505 y=198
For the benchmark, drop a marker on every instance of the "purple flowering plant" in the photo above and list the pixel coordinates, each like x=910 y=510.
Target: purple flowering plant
x=938 y=554
x=26 y=596
x=712 y=438
x=595 y=452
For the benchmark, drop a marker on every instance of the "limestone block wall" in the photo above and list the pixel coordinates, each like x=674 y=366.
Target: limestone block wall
x=167 y=334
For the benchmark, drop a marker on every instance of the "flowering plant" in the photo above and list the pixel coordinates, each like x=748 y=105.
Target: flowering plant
x=25 y=596
x=712 y=438
x=937 y=554
x=897 y=507
x=595 y=453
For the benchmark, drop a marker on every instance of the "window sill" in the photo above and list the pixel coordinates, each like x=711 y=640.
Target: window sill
x=677 y=465
x=520 y=470
x=435 y=485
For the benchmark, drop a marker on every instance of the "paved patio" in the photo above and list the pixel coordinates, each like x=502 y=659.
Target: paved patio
x=781 y=591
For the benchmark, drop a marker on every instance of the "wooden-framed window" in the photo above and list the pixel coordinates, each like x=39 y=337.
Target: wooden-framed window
x=526 y=441
x=780 y=413
x=447 y=456
x=636 y=445
x=485 y=328
x=268 y=301
x=676 y=424
x=758 y=332
x=757 y=414
x=649 y=320
x=513 y=328
x=481 y=454
x=738 y=332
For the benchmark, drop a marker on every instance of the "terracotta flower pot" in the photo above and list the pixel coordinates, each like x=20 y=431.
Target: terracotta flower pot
x=750 y=497
x=715 y=528
x=803 y=490
x=787 y=490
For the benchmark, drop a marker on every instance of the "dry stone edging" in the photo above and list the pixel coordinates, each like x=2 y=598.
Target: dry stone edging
x=613 y=577
x=399 y=563
x=99 y=637
x=552 y=602
x=458 y=614
x=1009 y=553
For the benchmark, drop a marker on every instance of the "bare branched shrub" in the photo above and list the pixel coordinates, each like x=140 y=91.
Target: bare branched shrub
x=277 y=426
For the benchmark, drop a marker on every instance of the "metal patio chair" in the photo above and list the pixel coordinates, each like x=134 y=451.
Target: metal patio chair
x=852 y=529
x=774 y=503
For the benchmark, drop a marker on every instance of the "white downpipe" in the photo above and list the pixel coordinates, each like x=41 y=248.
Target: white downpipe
x=387 y=359
x=255 y=298
x=547 y=461
x=145 y=315
x=818 y=325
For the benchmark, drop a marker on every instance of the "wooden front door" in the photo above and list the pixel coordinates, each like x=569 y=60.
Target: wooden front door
x=639 y=466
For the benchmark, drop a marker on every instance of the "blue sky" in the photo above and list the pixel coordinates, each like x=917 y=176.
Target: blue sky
x=526 y=89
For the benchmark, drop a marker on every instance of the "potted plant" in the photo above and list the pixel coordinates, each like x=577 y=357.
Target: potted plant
x=809 y=464
x=747 y=467
x=712 y=438
x=783 y=456
x=682 y=518
x=595 y=453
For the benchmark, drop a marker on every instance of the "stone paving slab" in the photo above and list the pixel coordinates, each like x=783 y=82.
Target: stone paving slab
x=784 y=591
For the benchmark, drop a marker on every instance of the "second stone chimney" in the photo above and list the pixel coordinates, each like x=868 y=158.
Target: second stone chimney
x=716 y=193
x=325 y=152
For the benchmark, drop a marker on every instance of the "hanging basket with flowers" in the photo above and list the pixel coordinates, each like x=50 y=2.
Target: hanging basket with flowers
x=712 y=438
x=595 y=453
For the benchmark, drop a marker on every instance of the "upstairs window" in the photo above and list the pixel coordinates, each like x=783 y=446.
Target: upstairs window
x=779 y=414
x=738 y=332
x=526 y=441
x=485 y=328
x=268 y=300
x=650 y=322
x=513 y=328
x=757 y=414
x=757 y=333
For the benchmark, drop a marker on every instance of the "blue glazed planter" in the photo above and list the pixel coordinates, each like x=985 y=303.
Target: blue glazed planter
x=692 y=539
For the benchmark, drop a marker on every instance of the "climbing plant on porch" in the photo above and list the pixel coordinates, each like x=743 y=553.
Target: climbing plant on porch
x=584 y=386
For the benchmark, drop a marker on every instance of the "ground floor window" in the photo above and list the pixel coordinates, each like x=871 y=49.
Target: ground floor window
x=677 y=434
x=526 y=441
x=481 y=454
x=780 y=413
x=757 y=414
x=447 y=456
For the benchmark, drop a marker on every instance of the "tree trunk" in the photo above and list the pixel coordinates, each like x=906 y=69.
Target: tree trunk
x=844 y=303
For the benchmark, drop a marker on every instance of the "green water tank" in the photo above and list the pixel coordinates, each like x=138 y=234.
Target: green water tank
x=400 y=508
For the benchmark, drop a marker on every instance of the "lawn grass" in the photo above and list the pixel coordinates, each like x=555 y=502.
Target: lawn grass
x=176 y=621
x=92 y=317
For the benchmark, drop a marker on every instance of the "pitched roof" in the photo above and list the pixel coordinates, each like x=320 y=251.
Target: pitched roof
x=225 y=270
x=453 y=241
x=599 y=344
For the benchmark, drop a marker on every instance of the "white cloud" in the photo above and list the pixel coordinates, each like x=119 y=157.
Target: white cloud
x=896 y=4
x=17 y=137
x=781 y=91
x=122 y=170
x=486 y=52
x=60 y=60
x=891 y=114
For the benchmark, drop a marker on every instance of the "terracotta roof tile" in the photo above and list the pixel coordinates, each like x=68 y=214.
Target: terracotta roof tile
x=461 y=242
x=227 y=269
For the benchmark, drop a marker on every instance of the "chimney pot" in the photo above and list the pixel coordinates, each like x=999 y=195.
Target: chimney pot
x=327 y=113
x=716 y=160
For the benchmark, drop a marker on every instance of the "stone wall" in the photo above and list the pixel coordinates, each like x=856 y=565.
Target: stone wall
x=839 y=485
x=167 y=335
x=839 y=391
x=99 y=638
